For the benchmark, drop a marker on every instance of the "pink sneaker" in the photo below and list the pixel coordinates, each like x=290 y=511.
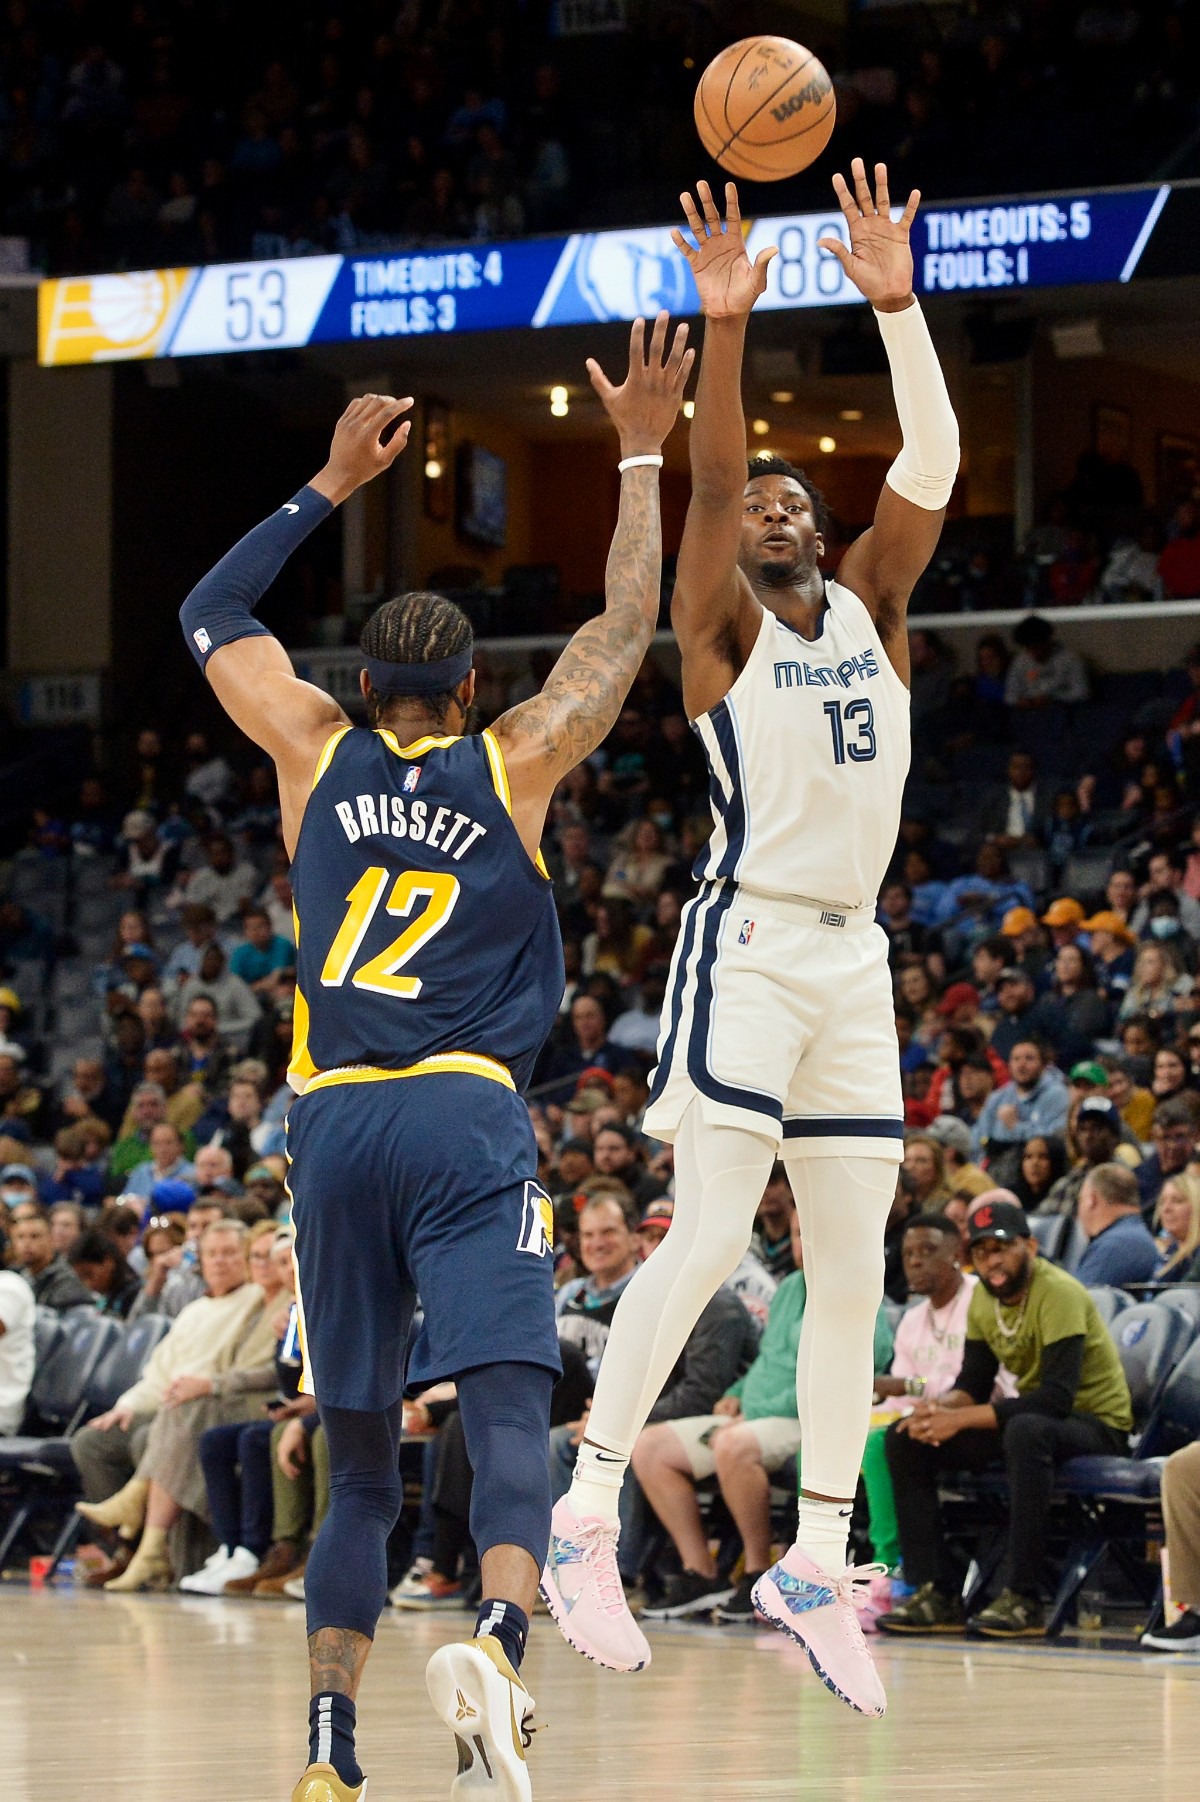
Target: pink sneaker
x=582 y=1589
x=820 y=1612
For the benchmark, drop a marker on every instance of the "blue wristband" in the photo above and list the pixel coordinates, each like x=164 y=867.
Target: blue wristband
x=220 y=608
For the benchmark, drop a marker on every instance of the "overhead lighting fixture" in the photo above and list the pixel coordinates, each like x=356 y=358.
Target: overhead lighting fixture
x=559 y=401
x=761 y=427
x=851 y=414
x=689 y=409
x=783 y=397
x=433 y=470
x=827 y=445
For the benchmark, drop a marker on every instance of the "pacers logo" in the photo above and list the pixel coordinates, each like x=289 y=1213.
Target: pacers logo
x=537 y=1222
x=108 y=318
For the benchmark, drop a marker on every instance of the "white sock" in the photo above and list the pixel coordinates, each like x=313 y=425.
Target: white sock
x=596 y=1486
x=823 y=1532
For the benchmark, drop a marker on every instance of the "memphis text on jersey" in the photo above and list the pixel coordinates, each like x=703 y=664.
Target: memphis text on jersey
x=789 y=674
x=443 y=829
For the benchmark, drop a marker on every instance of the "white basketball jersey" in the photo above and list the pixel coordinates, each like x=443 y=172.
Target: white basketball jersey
x=807 y=756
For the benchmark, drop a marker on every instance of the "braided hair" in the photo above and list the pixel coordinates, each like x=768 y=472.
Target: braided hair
x=779 y=466
x=420 y=627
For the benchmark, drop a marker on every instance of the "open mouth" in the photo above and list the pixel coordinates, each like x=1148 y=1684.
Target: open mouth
x=778 y=540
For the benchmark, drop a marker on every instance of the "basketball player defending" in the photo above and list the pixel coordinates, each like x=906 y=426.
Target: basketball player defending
x=429 y=974
x=777 y=1028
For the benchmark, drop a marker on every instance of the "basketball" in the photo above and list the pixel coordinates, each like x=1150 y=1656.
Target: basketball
x=765 y=108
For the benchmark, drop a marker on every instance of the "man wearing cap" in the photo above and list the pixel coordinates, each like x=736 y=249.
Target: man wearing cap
x=954 y=1137
x=1021 y=1012
x=1072 y=1401
x=166 y=1161
x=1121 y=1248
x=1113 y=947
x=1065 y=919
x=1165 y=874
x=146 y=864
x=47 y=1272
x=1027 y=950
x=1098 y=1133
x=1036 y=1101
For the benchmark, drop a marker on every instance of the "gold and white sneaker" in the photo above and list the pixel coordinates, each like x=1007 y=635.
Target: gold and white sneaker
x=490 y=1713
x=321 y=1783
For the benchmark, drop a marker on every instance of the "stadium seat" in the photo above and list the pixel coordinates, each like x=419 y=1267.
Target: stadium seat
x=1114 y=1495
x=1050 y=1230
x=1110 y=1302
x=59 y=1402
x=1150 y=1340
x=1184 y=1298
x=1075 y=1243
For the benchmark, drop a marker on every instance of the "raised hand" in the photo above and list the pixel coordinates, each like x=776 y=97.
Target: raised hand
x=879 y=260
x=366 y=440
x=728 y=282
x=646 y=405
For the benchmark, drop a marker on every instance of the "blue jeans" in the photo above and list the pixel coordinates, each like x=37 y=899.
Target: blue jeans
x=236 y=1461
x=632 y=1505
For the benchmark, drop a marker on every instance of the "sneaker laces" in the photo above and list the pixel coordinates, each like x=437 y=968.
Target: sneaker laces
x=599 y=1543
x=853 y=1589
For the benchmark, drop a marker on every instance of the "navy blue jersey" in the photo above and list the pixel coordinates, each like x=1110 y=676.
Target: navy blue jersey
x=422 y=927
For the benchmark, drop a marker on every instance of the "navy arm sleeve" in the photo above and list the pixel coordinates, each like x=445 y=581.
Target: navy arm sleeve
x=1062 y=1367
x=220 y=608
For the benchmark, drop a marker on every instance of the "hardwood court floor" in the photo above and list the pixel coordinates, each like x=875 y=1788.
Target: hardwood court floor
x=189 y=1700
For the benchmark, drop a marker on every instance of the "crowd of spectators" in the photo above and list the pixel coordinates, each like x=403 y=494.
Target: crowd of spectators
x=1046 y=963
x=154 y=135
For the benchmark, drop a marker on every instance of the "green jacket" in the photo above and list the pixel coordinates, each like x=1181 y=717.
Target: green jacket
x=768 y=1388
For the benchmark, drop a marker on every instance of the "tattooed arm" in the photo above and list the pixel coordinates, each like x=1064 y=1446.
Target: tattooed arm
x=545 y=737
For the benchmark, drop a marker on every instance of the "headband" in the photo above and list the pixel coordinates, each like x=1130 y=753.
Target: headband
x=419 y=678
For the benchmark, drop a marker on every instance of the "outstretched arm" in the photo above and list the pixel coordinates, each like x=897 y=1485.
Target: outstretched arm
x=713 y=611
x=250 y=672
x=548 y=735
x=882 y=566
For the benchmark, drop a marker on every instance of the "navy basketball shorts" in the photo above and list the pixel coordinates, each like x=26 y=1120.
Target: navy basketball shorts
x=422 y=1186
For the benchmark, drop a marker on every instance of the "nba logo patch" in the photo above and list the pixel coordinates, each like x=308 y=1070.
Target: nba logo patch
x=537 y=1222
x=203 y=641
x=412 y=778
x=747 y=932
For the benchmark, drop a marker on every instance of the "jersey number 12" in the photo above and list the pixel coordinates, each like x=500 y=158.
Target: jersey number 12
x=861 y=716
x=380 y=974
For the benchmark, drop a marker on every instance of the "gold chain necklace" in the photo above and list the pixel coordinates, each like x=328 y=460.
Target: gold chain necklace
x=1002 y=1326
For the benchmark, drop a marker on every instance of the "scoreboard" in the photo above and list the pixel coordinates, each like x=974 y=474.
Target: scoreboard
x=991 y=248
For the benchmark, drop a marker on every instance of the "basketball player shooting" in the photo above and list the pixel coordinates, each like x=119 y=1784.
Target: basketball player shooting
x=777 y=1028
x=429 y=974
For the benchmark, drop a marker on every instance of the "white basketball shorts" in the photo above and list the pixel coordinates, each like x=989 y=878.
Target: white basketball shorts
x=779 y=1018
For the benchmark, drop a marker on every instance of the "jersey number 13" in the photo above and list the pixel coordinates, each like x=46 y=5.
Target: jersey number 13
x=860 y=717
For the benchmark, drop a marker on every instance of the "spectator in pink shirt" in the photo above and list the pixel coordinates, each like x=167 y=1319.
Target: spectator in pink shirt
x=926 y=1362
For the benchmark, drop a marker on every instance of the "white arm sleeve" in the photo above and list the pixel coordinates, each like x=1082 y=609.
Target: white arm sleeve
x=924 y=471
